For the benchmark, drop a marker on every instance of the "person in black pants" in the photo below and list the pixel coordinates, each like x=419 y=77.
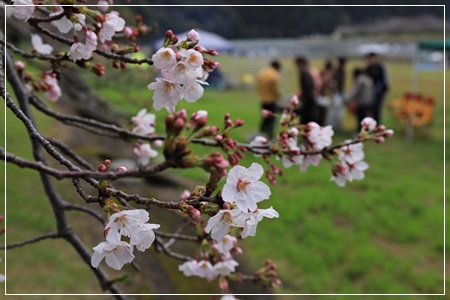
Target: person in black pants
x=306 y=95
x=268 y=87
x=377 y=71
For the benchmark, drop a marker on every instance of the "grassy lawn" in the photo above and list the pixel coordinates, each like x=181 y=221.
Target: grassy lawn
x=380 y=235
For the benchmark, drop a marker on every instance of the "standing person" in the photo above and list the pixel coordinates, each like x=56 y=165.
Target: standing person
x=377 y=71
x=339 y=75
x=307 y=88
x=360 y=97
x=326 y=92
x=268 y=87
x=337 y=109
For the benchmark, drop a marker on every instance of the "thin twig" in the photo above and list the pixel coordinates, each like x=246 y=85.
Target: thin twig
x=36 y=239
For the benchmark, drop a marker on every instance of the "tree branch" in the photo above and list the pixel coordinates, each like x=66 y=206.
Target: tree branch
x=36 y=239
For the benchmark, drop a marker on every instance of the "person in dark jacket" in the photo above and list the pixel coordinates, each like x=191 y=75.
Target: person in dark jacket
x=306 y=94
x=339 y=75
x=377 y=71
x=360 y=97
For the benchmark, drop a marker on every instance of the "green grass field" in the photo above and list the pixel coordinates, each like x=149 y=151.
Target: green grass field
x=384 y=234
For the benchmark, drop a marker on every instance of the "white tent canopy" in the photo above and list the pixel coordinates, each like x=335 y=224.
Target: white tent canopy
x=207 y=39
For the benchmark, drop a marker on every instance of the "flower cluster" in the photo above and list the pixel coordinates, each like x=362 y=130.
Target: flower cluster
x=223 y=262
x=144 y=124
x=244 y=190
x=183 y=71
x=350 y=165
x=129 y=223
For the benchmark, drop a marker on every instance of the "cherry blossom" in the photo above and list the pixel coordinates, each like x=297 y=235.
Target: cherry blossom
x=368 y=124
x=220 y=224
x=144 y=122
x=126 y=223
x=251 y=220
x=183 y=74
x=319 y=136
x=144 y=237
x=104 y=4
x=258 y=141
x=193 y=59
x=352 y=153
x=289 y=160
x=193 y=90
x=84 y=51
x=64 y=25
x=115 y=254
x=202 y=269
x=350 y=172
x=144 y=153
x=226 y=267
x=164 y=58
x=308 y=159
x=52 y=89
x=167 y=94
x=39 y=46
x=244 y=188
x=226 y=244
x=112 y=24
x=23 y=9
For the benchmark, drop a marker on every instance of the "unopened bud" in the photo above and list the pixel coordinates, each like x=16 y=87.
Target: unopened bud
x=267 y=113
x=19 y=65
x=294 y=100
x=194 y=214
x=182 y=114
x=388 y=133
x=128 y=32
x=121 y=169
x=98 y=69
x=158 y=143
x=178 y=125
x=185 y=195
x=379 y=139
x=239 y=123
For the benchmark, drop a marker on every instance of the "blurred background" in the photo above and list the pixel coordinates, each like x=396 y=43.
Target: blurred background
x=384 y=234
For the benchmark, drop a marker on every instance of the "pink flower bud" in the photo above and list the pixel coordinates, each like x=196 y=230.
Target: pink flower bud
x=128 y=32
x=199 y=48
x=293 y=131
x=381 y=128
x=294 y=100
x=102 y=168
x=239 y=123
x=193 y=36
x=98 y=69
x=158 y=143
x=178 y=125
x=185 y=195
x=121 y=169
x=194 y=214
x=19 y=65
x=379 y=139
x=223 y=284
x=271 y=177
x=218 y=137
x=182 y=114
x=169 y=34
x=388 y=133
x=267 y=113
